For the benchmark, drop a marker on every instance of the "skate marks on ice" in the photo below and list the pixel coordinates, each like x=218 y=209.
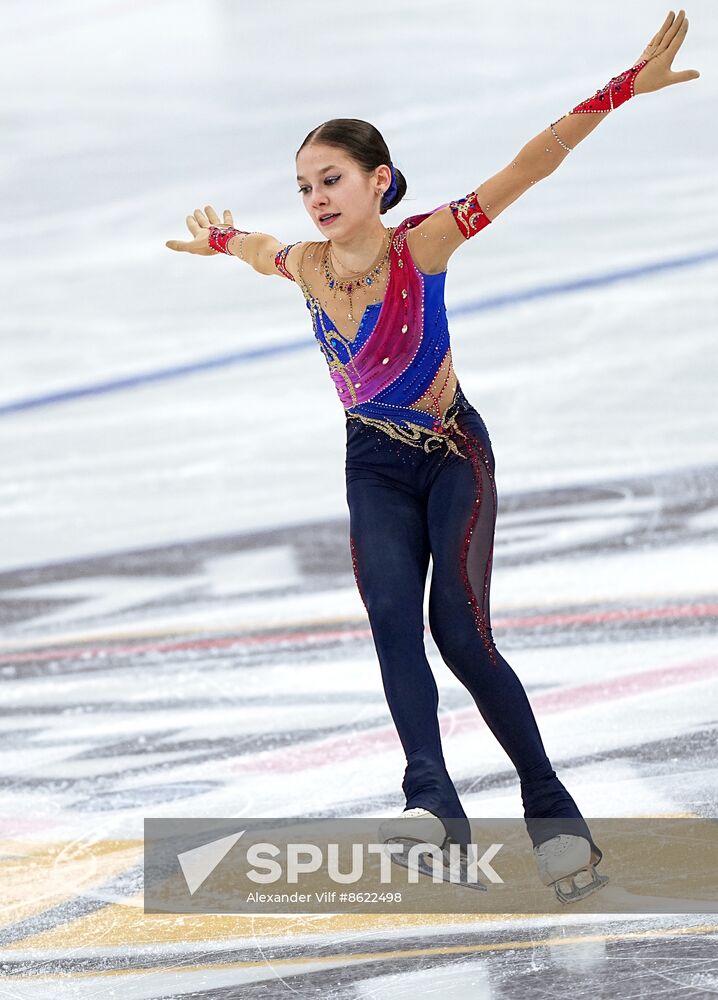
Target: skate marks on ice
x=68 y=674
x=206 y=582
x=668 y=759
x=122 y=700
x=670 y=957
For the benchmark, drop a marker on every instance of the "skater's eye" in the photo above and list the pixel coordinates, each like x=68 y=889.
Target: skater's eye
x=304 y=187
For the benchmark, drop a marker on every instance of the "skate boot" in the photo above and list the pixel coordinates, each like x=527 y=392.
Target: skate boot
x=567 y=862
x=419 y=826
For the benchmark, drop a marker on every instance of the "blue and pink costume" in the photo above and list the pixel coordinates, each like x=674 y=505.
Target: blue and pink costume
x=411 y=500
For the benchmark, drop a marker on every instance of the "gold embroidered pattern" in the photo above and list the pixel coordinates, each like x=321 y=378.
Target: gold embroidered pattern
x=412 y=434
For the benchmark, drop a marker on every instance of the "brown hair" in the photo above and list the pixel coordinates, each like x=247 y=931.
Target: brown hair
x=364 y=144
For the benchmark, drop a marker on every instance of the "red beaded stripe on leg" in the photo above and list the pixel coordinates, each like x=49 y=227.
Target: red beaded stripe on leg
x=481 y=623
x=355 y=566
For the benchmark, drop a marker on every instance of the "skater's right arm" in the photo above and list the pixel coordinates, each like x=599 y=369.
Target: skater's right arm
x=260 y=250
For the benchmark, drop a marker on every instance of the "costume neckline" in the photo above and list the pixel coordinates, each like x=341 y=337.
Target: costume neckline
x=352 y=340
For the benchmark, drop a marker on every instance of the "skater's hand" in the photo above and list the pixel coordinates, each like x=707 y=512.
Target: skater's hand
x=198 y=224
x=660 y=53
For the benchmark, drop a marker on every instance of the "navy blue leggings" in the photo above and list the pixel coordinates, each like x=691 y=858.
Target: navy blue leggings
x=405 y=505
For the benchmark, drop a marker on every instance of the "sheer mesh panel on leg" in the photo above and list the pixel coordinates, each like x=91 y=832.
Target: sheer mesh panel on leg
x=474 y=557
x=462 y=507
x=478 y=545
x=461 y=517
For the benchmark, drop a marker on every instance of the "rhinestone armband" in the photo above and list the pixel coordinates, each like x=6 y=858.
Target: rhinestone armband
x=469 y=215
x=616 y=92
x=219 y=238
x=280 y=261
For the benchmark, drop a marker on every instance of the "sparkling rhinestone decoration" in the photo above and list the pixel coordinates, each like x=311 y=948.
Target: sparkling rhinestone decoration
x=355 y=566
x=477 y=455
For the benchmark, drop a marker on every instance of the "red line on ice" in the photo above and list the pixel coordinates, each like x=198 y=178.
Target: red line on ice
x=363 y=744
x=86 y=651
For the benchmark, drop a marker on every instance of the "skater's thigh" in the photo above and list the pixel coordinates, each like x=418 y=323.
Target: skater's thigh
x=389 y=538
x=462 y=503
x=461 y=515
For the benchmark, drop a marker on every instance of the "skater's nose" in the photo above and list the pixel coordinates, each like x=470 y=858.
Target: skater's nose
x=319 y=202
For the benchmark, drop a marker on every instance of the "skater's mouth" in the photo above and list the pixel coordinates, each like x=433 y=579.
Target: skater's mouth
x=325 y=220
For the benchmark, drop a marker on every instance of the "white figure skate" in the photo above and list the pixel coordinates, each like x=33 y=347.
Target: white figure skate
x=419 y=826
x=567 y=862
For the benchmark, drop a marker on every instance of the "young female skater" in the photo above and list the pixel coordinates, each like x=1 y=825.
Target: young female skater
x=419 y=462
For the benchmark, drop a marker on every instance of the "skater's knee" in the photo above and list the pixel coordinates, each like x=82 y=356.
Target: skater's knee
x=469 y=658
x=385 y=610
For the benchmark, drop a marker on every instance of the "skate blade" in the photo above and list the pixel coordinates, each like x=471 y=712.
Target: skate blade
x=424 y=866
x=579 y=885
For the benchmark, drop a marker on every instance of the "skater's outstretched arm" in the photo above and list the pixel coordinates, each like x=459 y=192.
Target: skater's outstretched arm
x=257 y=249
x=436 y=238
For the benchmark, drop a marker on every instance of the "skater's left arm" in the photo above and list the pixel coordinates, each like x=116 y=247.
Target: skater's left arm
x=437 y=237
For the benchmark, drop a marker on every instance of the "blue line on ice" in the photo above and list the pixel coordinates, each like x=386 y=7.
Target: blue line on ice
x=240 y=357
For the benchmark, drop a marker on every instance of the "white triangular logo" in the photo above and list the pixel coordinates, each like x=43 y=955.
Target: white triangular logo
x=199 y=863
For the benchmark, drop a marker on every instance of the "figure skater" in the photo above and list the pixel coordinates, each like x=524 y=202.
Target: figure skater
x=419 y=462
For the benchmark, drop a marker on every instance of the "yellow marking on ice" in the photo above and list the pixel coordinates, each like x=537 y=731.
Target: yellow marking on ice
x=49 y=876
x=39 y=876
x=236 y=629
x=383 y=956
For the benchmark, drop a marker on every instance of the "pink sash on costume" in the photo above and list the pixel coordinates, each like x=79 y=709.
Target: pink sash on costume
x=402 y=306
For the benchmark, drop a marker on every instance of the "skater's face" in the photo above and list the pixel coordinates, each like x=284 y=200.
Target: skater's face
x=329 y=180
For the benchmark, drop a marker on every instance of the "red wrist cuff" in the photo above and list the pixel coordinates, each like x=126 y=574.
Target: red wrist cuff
x=616 y=92
x=219 y=238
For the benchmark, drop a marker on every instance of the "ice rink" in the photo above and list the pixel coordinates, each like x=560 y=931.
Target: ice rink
x=181 y=634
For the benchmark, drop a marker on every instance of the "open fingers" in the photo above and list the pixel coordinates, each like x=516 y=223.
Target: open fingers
x=197 y=221
x=214 y=218
x=663 y=29
x=677 y=41
x=672 y=31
